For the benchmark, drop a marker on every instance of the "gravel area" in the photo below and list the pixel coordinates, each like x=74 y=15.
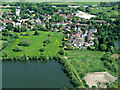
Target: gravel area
x=93 y=78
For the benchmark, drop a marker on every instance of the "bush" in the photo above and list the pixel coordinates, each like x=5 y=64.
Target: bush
x=50 y=57
x=47 y=40
x=44 y=58
x=24 y=43
x=103 y=47
x=61 y=52
x=36 y=32
x=56 y=57
x=82 y=75
x=4 y=44
x=16 y=35
x=69 y=47
x=27 y=34
x=17 y=49
x=5 y=38
x=5 y=54
x=42 y=49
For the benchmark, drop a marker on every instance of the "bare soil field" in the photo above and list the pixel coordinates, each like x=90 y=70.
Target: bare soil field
x=84 y=15
x=93 y=78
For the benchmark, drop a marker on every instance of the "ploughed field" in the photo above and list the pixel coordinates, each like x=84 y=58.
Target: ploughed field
x=37 y=41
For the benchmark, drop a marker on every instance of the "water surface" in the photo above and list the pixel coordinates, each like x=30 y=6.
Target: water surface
x=34 y=75
x=117 y=43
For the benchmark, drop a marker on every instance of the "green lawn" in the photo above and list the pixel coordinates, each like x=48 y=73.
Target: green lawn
x=36 y=44
x=90 y=60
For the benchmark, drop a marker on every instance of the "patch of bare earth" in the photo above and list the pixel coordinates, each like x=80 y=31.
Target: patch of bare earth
x=116 y=55
x=92 y=79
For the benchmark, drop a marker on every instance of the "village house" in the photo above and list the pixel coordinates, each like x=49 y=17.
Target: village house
x=18 y=10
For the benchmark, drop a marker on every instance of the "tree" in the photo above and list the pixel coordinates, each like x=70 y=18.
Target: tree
x=17 y=49
x=88 y=9
x=16 y=35
x=94 y=87
x=35 y=28
x=61 y=52
x=45 y=29
x=68 y=18
x=5 y=53
x=50 y=25
x=103 y=47
x=36 y=32
x=24 y=28
x=47 y=41
x=96 y=43
x=9 y=26
x=47 y=26
x=42 y=49
x=24 y=43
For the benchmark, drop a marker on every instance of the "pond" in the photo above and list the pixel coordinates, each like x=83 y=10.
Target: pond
x=117 y=43
x=34 y=74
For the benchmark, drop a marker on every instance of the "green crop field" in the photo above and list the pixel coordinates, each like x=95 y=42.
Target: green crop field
x=36 y=43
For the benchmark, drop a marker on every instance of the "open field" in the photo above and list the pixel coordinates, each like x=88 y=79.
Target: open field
x=36 y=44
x=5 y=10
x=105 y=9
x=85 y=61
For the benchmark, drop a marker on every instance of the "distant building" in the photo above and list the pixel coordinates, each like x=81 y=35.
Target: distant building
x=18 y=10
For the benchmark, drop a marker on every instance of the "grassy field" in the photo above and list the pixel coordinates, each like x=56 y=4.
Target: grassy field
x=85 y=61
x=36 y=44
x=5 y=10
x=105 y=9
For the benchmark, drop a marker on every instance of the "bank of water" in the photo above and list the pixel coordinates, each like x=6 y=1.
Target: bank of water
x=33 y=74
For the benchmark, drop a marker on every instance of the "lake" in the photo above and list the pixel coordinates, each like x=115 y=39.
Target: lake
x=117 y=43
x=33 y=74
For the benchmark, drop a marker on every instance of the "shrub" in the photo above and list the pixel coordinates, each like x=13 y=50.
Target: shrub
x=61 y=52
x=82 y=75
x=27 y=34
x=103 y=47
x=5 y=53
x=44 y=58
x=4 y=44
x=36 y=32
x=24 y=43
x=16 y=35
x=17 y=49
x=42 y=49
x=69 y=47
x=47 y=40
x=56 y=57
x=50 y=57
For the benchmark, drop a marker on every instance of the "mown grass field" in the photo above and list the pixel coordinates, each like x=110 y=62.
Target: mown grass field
x=36 y=44
x=85 y=61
